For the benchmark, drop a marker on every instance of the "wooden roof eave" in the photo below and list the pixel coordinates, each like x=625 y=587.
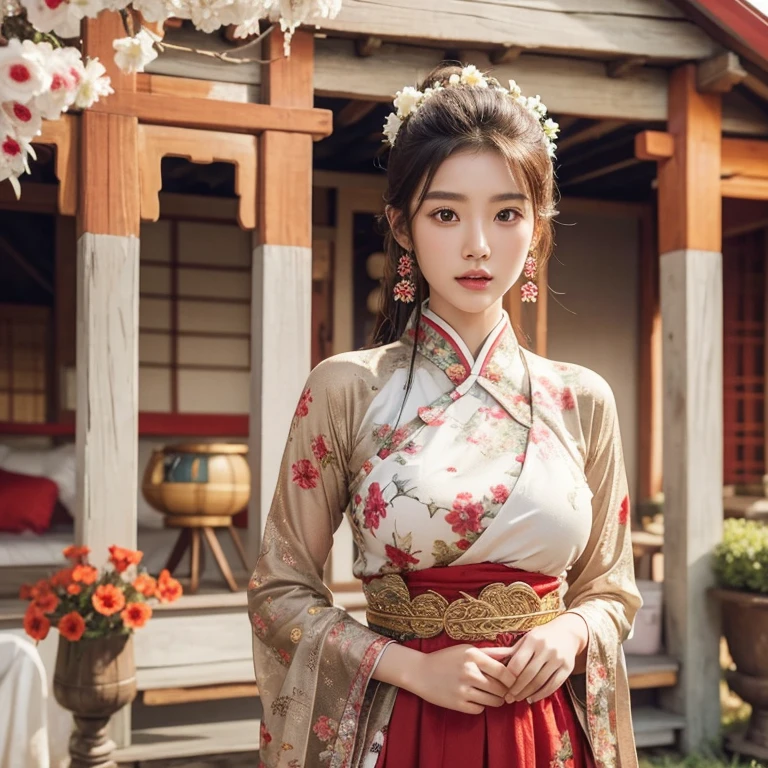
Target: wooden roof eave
x=599 y=29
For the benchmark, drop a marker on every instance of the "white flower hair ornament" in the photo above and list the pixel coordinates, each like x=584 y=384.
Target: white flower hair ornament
x=408 y=101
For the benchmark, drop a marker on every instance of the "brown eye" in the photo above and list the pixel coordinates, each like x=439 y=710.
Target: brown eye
x=445 y=215
x=508 y=214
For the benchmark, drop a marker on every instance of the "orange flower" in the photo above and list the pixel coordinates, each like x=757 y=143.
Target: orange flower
x=61 y=578
x=76 y=554
x=108 y=599
x=85 y=574
x=74 y=589
x=136 y=615
x=47 y=603
x=145 y=584
x=168 y=589
x=25 y=593
x=35 y=623
x=40 y=589
x=123 y=558
x=72 y=626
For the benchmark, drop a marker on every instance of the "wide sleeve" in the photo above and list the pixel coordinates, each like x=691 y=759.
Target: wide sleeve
x=601 y=586
x=313 y=662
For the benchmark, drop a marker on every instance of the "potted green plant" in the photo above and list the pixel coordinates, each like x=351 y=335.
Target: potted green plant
x=741 y=567
x=96 y=613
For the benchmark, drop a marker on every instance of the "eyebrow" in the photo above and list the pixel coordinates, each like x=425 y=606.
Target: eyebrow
x=458 y=197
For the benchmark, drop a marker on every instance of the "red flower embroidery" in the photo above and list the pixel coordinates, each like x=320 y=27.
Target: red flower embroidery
x=367 y=467
x=358 y=499
x=500 y=493
x=431 y=416
x=399 y=558
x=494 y=413
x=624 y=511
x=539 y=434
x=463 y=545
x=451 y=469
x=302 y=409
x=466 y=516
x=325 y=728
x=399 y=435
x=411 y=449
x=456 y=373
x=284 y=655
x=266 y=736
x=520 y=459
x=319 y=448
x=375 y=506
x=382 y=431
x=304 y=474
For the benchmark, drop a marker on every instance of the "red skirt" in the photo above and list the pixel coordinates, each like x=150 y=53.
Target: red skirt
x=545 y=734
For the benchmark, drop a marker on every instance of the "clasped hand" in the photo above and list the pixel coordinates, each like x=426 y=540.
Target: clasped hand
x=468 y=679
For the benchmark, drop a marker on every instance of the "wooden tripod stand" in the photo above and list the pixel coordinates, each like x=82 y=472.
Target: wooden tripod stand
x=193 y=529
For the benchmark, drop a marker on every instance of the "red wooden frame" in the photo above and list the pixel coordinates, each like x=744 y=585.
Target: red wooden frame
x=740 y=19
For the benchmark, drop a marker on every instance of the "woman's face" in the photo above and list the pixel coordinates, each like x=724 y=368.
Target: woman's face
x=472 y=233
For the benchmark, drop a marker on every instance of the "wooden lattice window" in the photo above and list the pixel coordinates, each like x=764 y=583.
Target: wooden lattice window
x=24 y=346
x=744 y=296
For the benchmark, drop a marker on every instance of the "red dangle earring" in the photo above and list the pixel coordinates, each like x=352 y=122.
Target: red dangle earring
x=530 y=290
x=405 y=289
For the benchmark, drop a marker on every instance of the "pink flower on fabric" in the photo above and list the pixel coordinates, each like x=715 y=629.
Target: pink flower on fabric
x=539 y=434
x=266 y=736
x=302 y=409
x=451 y=469
x=325 y=728
x=284 y=655
x=399 y=558
x=463 y=545
x=383 y=431
x=466 y=516
x=624 y=511
x=520 y=459
x=358 y=499
x=259 y=625
x=304 y=474
x=367 y=467
x=431 y=416
x=500 y=493
x=319 y=448
x=456 y=373
x=412 y=449
x=375 y=506
x=494 y=413
x=383 y=453
x=399 y=435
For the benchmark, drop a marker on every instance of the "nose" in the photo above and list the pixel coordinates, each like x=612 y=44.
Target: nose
x=476 y=245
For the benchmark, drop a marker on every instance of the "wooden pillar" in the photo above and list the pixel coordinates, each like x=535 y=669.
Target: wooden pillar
x=690 y=241
x=107 y=321
x=281 y=309
x=650 y=396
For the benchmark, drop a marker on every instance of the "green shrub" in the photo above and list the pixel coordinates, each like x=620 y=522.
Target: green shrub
x=741 y=558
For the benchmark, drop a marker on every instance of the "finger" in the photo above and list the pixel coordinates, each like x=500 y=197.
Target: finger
x=497 y=652
x=518 y=662
x=552 y=685
x=476 y=696
x=488 y=684
x=526 y=676
x=496 y=670
x=544 y=674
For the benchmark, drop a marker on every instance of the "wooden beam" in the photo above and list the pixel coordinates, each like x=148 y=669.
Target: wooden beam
x=158 y=697
x=739 y=19
x=720 y=73
x=353 y=112
x=622 y=67
x=210 y=114
x=744 y=157
x=156 y=142
x=640 y=96
x=599 y=172
x=597 y=131
x=163 y=85
x=654 y=145
x=599 y=29
x=745 y=188
x=690 y=242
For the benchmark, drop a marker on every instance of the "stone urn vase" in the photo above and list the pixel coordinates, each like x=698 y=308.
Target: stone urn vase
x=745 y=626
x=94 y=679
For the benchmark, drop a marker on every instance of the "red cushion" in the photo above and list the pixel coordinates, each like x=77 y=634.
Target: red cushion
x=26 y=502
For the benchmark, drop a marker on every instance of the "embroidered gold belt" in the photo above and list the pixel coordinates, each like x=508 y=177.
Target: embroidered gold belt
x=498 y=609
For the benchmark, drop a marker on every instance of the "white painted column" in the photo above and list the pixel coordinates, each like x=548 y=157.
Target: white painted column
x=107 y=391
x=281 y=318
x=692 y=326
x=107 y=418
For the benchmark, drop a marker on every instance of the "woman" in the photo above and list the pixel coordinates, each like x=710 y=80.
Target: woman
x=485 y=487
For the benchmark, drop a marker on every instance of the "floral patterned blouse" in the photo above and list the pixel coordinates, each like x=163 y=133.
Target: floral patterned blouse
x=507 y=457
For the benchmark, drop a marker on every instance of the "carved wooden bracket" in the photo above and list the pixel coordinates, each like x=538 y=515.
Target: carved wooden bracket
x=159 y=141
x=64 y=135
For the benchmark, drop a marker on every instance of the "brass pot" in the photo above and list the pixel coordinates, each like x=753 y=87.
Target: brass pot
x=745 y=626
x=211 y=479
x=94 y=679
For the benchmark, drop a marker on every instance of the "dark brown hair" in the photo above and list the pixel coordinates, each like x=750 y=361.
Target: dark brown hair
x=459 y=118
